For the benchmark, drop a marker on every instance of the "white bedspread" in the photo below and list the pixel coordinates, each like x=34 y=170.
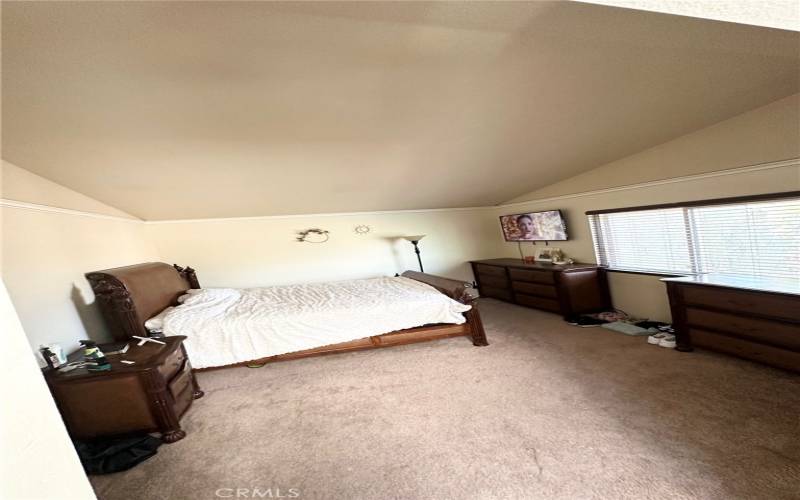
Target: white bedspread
x=225 y=325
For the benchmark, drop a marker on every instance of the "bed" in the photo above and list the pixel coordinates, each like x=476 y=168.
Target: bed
x=128 y=296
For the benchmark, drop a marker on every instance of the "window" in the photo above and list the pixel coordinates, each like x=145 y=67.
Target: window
x=753 y=237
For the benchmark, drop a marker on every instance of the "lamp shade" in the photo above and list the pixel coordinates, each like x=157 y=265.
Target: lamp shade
x=414 y=238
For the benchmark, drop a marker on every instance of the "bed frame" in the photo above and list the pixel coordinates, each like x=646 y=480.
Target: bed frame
x=128 y=296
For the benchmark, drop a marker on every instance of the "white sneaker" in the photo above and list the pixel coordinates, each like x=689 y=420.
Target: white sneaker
x=656 y=339
x=668 y=341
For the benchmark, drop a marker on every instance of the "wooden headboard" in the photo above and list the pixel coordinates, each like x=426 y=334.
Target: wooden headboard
x=128 y=296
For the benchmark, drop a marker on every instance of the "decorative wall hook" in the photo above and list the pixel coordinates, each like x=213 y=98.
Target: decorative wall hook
x=313 y=235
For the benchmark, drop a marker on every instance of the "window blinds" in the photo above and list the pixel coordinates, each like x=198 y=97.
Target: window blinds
x=758 y=238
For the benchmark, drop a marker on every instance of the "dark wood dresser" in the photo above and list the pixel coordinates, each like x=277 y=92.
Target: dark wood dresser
x=565 y=289
x=752 y=318
x=150 y=395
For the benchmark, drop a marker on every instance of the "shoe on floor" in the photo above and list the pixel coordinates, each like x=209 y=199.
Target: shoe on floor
x=668 y=342
x=657 y=338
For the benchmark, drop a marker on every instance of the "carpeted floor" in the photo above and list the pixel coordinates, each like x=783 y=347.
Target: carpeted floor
x=546 y=411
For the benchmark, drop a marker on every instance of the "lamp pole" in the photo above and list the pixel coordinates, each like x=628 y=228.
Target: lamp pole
x=415 y=241
x=419 y=259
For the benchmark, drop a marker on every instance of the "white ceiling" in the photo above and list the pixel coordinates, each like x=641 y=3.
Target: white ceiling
x=783 y=14
x=196 y=109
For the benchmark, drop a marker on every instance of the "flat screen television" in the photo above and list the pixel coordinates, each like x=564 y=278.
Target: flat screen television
x=534 y=226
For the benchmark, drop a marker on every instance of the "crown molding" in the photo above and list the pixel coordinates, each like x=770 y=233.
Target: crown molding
x=305 y=216
x=24 y=205
x=791 y=162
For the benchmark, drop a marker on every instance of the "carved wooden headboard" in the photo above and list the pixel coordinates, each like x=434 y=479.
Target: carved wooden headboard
x=128 y=296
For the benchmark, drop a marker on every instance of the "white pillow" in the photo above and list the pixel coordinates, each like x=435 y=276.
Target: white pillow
x=189 y=293
x=156 y=323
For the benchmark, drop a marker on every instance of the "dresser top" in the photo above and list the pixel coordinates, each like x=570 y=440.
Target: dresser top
x=517 y=263
x=144 y=357
x=757 y=283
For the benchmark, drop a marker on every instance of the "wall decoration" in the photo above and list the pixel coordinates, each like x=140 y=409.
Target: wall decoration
x=362 y=229
x=313 y=235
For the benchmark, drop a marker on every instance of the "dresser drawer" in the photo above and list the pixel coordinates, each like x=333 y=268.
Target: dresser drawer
x=497 y=293
x=538 y=302
x=742 y=301
x=545 y=277
x=490 y=270
x=759 y=330
x=548 y=291
x=493 y=281
x=172 y=364
x=763 y=353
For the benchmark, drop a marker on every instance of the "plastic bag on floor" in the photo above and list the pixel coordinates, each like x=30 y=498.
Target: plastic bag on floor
x=104 y=456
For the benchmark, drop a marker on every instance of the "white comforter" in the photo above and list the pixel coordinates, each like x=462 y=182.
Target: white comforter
x=225 y=325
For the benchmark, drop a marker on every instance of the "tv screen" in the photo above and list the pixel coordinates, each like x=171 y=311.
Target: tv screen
x=534 y=226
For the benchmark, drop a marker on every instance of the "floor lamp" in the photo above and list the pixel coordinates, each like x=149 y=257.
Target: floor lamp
x=415 y=241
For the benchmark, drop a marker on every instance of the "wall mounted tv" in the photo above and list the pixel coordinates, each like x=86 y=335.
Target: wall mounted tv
x=534 y=226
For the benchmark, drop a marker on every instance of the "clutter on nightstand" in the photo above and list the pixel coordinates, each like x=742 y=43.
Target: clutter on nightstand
x=95 y=359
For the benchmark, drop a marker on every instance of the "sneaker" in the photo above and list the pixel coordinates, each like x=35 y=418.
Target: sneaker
x=656 y=339
x=668 y=342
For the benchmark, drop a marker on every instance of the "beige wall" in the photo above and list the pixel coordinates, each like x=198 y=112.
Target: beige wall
x=37 y=458
x=253 y=252
x=767 y=134
x=20 y=185
x=46 y=253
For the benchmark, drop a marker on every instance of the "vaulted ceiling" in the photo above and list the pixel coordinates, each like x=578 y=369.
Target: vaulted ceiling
x=199 y=109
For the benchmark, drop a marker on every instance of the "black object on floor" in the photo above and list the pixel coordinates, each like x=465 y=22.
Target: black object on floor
x=585 y=321
x=104 y=456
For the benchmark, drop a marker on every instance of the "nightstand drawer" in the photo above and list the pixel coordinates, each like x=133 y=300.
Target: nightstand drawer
x=172 y=364
x=182 y=380
x=183 y=400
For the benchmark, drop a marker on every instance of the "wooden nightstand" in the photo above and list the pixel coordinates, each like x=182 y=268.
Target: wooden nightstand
x=150 y=395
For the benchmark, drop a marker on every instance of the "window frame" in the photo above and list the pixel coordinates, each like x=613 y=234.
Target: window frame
x=683 y=205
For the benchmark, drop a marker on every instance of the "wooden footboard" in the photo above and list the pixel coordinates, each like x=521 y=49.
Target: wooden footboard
x=456 y=290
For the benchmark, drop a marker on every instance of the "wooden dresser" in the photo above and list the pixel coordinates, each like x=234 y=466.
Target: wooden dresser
x=752 y=318
x=149 y=396
x=565 y=289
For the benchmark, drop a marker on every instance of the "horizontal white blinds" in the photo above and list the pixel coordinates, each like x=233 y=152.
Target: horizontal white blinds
x=754 y=239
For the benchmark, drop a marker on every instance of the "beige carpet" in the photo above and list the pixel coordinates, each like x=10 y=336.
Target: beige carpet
x=546 y=411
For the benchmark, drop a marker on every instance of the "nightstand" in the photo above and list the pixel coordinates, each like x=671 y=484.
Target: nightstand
x=150 y=395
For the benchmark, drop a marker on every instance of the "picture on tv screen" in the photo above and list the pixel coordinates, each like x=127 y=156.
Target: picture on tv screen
x=534 y=226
